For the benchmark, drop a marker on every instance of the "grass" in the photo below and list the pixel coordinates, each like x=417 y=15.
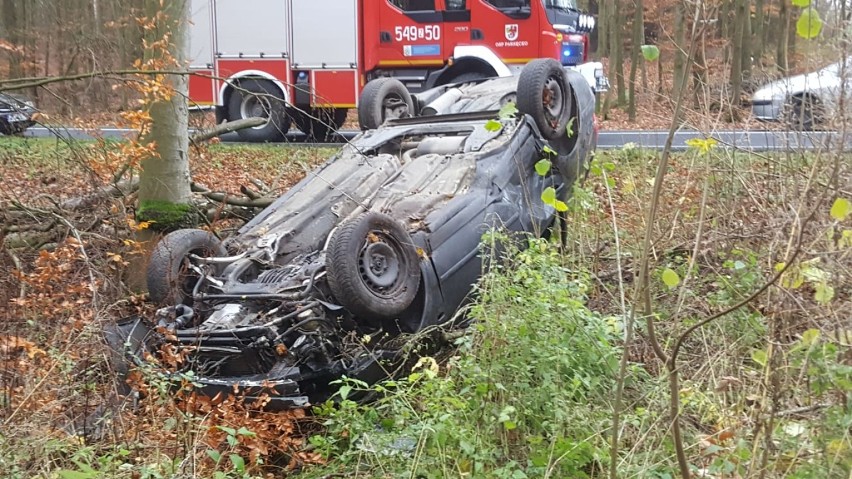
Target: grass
x=527 y=391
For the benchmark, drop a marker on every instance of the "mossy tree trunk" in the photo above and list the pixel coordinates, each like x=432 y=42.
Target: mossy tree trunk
x=164 y=186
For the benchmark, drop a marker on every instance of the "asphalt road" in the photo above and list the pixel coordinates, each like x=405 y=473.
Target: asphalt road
x=744 y=140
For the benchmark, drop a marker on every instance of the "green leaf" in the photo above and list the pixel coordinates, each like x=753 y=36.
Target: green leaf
x=509 y=425
x=509 y=110
x=759 y=356
x=246 y=432
x=802 y=3
x=670 y=278
x=650 y=52
x=569 y=128
x=238 y=462
x=493 y=125
x=76 y=475
x=548 y=150
x=344 y=391
x=560 y=206
x=548 y=196
x=542 y=167
x=810 y=336
x=227 y=430
x=824 y=293
x=215 y=455
x=809 y=24
x=169 y=424
x=841 y=209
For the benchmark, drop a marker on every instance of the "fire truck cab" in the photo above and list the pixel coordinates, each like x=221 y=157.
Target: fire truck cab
x=305 y=62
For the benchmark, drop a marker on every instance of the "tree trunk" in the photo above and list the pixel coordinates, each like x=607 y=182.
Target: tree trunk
x=759 y=31
x=603 y=28
x=10 y=21
x=747 y=47
x=737 y=47
x=635 y=57
x=617 y=50
x=699 y=65
x=164 y=187
x=681 y=49
x=781 y=46
x=616 y=57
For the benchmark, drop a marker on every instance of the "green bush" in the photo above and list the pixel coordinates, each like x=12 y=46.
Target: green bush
x=526 y=394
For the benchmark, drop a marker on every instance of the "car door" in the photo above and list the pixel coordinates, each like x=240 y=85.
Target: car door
x=510 y=28
x=409 y=34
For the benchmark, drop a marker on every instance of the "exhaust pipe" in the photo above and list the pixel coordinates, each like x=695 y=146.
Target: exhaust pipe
x=442 y=103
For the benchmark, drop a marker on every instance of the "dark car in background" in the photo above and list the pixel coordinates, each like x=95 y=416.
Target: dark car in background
x=16 y=113
x=382 y=240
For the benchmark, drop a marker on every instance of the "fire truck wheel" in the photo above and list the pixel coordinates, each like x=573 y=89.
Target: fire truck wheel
x=383 y=99
x=544 y=94
x=318 y=124
x=468 y=77
x=259 y=98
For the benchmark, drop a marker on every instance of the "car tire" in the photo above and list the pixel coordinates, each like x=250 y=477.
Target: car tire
x=261 y=98
x=383 y=99
x=544 y=94
x=319 y=124
x=802 y=114
x=169 y=282
x=373 y=267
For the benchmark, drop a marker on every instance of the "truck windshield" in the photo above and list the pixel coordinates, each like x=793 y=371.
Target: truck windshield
x=561 y=4
x=562 y=12
x=512 y=8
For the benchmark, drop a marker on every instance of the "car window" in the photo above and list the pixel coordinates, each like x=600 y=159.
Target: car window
x=414 y=5
x=456 y=4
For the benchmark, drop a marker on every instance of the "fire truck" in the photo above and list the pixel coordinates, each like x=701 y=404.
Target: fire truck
x=306 y=61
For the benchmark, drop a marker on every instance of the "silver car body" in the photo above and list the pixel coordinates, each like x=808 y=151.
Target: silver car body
x=826 y=86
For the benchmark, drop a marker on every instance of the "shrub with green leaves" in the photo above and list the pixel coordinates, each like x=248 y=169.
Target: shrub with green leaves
x=525 y=395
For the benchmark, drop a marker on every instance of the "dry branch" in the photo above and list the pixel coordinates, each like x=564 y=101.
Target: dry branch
x=227 y=127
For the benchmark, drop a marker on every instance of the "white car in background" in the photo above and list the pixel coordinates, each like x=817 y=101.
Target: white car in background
x=808 y=100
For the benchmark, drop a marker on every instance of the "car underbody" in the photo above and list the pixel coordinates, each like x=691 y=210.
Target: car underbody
x=379 y=243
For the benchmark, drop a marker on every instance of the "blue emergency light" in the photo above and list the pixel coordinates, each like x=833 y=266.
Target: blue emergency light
x=572 y=53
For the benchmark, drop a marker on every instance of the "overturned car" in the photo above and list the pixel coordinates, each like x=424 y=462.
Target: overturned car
x=381 y=240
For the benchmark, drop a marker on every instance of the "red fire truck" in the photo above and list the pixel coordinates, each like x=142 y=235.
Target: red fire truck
x=306 y=61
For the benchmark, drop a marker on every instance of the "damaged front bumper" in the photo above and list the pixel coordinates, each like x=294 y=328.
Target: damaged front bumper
x=135 y=344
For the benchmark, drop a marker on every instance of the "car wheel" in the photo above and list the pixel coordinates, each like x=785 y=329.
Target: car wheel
x=544 y=94
x=319 y=124
x=373 y=267
x=259 y=98
x=802 y=113
x=170 y=280
x=383 y=99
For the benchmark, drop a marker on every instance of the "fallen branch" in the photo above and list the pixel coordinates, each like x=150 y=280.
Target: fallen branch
x=115 y=190
x=226 y=127
x=228 y=199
